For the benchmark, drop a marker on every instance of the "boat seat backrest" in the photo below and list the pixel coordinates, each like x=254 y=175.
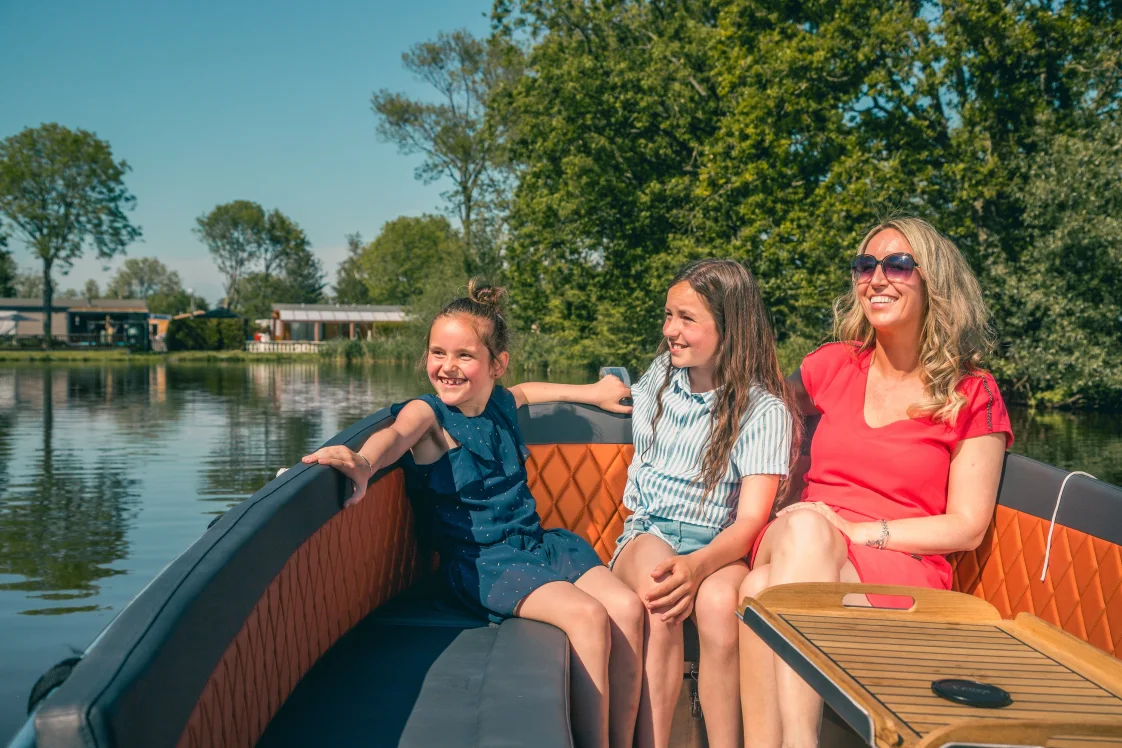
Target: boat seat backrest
x=580 y=487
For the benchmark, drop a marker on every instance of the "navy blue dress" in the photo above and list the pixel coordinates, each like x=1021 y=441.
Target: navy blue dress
x=474 y=507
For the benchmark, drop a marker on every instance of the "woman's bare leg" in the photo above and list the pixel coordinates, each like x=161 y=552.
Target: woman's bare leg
x=585 y=621
x=759 y=699
x=799 y=547
x=625 y=667
x=718 y=678
x=663 y=655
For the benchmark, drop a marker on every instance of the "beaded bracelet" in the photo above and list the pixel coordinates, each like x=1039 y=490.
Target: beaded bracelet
x=882 y=541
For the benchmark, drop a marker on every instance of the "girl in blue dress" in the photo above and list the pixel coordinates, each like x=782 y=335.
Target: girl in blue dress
x=461 y=450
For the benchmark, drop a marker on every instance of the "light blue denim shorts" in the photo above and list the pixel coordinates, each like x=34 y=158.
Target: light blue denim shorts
x=682 y=537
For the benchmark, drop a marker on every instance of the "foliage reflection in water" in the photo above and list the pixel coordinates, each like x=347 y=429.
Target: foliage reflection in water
x=108 y=472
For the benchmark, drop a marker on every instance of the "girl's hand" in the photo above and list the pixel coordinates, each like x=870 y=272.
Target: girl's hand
x=349 y=463
x=609 y=391
x=846 y=527
x=676 y=589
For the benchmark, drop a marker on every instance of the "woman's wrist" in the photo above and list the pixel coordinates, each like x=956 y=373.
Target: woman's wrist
x=866 y=533
x=365 y=463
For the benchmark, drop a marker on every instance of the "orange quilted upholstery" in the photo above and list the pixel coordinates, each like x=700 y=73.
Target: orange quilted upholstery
x=580 y=487
x=1082 y=592
x=352 y=564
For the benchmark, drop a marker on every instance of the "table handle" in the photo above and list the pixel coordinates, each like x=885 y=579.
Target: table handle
x=828 y=598
x=1018 y=732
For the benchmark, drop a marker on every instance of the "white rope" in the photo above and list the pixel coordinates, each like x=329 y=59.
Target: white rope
x=1052 y=525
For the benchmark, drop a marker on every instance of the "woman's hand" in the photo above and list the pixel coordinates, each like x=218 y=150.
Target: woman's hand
x=608 y=392
x=846 y=527
x=676 y=589
x=349 y=463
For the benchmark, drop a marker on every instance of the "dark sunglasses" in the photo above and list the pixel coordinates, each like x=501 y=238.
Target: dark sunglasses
x=897 y=267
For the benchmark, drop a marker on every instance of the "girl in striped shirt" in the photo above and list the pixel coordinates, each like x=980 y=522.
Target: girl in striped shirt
x=713 y=439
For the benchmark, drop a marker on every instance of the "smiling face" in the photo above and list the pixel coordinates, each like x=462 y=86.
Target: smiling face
x=459 y=365
x=690 y=329
x=891 y=306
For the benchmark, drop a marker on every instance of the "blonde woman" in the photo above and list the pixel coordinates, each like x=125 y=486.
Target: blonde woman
x=905 y=463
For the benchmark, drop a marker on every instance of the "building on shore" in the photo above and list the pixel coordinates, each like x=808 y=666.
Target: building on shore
x=318 y=322
x=97 y=322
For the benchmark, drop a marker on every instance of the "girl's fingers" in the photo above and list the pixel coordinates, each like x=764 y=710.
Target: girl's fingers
x=679 y=612
x=663 y=567
x=669 y=599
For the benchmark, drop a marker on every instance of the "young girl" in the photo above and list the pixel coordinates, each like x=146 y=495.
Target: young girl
x=713 y=438
x=462 y=454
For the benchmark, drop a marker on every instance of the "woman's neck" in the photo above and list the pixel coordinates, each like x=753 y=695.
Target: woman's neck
x=896 y=356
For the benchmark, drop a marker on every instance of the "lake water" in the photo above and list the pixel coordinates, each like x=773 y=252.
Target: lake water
x=107 y=472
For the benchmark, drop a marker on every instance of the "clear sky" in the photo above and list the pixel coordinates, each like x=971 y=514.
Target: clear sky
x=217 y=101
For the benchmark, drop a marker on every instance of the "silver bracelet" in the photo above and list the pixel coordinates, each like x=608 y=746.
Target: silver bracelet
x=368 y=465
x=882 y=541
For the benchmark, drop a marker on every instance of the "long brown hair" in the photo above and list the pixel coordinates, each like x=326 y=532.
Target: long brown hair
x=956 y=334
x=745 y=356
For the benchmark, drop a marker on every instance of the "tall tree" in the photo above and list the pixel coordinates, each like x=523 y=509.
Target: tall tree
x=63 y=192
x=410 y=255
x=349 y=285
x=235 y=234
x=8 y=269
x=295 y=276
x=91 y=290
x=140 y=277
x=455 y=135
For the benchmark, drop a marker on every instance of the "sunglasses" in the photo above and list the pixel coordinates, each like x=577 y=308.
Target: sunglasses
x=897 y=267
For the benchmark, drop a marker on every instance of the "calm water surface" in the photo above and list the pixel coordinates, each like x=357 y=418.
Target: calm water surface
x=108 y=472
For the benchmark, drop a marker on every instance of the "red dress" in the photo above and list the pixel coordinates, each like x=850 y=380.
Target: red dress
x=897 y=471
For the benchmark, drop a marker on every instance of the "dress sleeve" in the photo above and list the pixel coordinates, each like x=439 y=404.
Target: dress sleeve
x=764 y=444
x=822 y=365
x=652 y=377
x=984 y=412
x=431 y=400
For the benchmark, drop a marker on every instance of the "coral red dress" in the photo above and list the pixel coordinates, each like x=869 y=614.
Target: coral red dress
x=897 y=471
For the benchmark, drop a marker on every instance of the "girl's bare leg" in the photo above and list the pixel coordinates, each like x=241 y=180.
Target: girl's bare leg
x=585 y=621
x=625 y=666
x=799 y=547
x=663 y=655
x=718 y=678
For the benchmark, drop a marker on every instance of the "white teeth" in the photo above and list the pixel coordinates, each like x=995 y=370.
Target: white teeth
x=882 y=300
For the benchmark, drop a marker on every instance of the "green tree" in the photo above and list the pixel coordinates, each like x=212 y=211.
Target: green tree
x=648 y=134
x=8 y=269
x=236 y=237
x=459 y=139
x=63 y=193
x=296 y=275
x=91 y=290
x=350 y=288
x=140 y=277
x=1062 y=313
x=411 y=255
x=28 y=285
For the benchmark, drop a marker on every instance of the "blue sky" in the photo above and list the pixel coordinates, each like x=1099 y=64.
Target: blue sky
x=217 y=101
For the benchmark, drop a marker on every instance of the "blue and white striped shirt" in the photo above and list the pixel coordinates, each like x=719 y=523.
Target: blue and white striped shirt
x=662 y=480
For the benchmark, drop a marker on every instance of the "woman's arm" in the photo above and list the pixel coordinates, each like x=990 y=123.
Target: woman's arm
x=606 y=394
x=684 y=574
x=971 y=495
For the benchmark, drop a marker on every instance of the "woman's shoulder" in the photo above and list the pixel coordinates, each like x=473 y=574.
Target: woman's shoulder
x=984 y=411
x=825 y=362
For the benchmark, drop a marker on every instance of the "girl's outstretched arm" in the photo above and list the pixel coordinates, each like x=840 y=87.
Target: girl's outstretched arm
x=382 y=449
x=605 y=394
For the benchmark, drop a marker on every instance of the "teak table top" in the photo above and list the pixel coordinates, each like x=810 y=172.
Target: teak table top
x=875 y=667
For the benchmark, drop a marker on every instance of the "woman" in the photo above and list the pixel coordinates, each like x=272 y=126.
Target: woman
x=905 y=462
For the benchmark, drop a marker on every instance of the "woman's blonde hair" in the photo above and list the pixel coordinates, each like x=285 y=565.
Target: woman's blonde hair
x=955 y=335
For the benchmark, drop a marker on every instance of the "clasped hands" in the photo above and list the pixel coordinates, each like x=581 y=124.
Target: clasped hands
x=673 y=595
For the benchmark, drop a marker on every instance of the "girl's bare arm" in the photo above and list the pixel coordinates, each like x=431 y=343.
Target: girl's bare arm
x=806 y=405
x=605 y=394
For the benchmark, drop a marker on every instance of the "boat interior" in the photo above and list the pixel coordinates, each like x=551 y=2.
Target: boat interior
x=291 y=622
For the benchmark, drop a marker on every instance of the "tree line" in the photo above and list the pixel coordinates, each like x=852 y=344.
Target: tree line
x=593 y=148
x=627 y=138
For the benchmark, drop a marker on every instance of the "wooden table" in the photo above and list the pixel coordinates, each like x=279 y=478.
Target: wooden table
x=875 y=666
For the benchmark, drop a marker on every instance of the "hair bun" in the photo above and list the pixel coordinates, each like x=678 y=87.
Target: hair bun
x=481 y=293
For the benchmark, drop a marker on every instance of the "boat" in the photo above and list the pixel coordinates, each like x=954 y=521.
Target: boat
x=291 y=622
